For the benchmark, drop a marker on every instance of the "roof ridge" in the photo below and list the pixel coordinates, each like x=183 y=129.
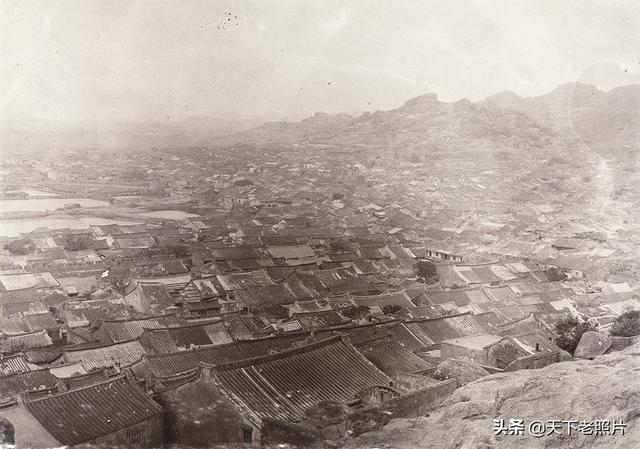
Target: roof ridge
x=269 y=357
x=122 y=320
x=206 y=323
x=415 y=320
x=102 y=346
x=84 y=387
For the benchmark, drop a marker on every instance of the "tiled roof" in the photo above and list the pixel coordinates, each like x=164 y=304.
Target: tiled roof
x=19 y=343
x=392 y=357
x=320 y=319
x=529 y=341
x=283 y=386
x=88 y=413
x=167 y=365
x=434 y=331
x=27 y=280
x=124 y=354
x=241 y=281
x=276 y=294
x=490 y=321
x=24 y=308
x=13 y=326
x=67 y=370
x=42 y=355
x=13 y=364
x=387 y=299
x=83 y=380
x=237 y=252
x=124 y=330
x=13 y=384
x=183 y=338
x=41 y=321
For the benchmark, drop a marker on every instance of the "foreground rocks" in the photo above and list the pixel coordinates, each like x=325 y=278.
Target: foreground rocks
x=591 y=345
x=462 y=371
x=605 y=388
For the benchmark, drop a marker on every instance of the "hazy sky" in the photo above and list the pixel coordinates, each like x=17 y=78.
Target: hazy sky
x=157 y=59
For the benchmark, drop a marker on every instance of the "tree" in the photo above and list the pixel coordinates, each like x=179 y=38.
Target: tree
x=21 y=247
x=75 y=243
x=390 y=309
x=340 y=245
x=427 y=271
x=180 y=251
x=356 y=312
x=627 y=324
x=569 y=332
x=555 y=274
x=120 y=278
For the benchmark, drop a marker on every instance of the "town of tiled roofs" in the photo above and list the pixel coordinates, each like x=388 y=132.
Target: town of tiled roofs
x=255 y=308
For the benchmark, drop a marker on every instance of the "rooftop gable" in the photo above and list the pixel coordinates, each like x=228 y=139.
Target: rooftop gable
x=91 y=412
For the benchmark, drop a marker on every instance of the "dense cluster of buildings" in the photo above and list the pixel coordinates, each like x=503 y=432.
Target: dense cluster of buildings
x=290 y=306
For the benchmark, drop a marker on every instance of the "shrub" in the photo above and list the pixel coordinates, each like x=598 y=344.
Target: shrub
x=627 y=324
x=555 y=274
x=427 y=271
x=390 y=309
x=569 y=332
x=21 y=247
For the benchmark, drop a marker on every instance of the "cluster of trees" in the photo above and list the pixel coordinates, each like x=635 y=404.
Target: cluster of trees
x=356 y=312
x=626 y=325
x=120 y=278
x=76 y=243
x=554 y=274
x=21 y=247
x=569 y=330
x=427 y=271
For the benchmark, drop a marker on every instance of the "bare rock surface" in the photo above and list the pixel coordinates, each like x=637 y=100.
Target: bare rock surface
x=591 y=345
x=463 y=371
x=605 y=388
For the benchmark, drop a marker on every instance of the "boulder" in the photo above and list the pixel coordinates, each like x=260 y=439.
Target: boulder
x=619 y=343
x=603 y=389
x=464 y=371
x=591 y=345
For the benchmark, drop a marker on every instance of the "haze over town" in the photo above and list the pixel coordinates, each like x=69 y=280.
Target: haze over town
x=321 y=224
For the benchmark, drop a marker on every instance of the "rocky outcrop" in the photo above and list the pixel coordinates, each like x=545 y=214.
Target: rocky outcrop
x=591 y=345
x=606 y=388
x=463 y=371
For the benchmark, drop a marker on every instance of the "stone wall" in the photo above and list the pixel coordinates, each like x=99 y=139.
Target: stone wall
x=198 y=414
x=275 y=432
x=535 y=361
x=410 y=405
x=147 y=434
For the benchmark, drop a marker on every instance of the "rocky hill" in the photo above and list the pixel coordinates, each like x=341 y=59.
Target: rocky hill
x=606 y=388
x=421 y=123
x=571 y=114
x=581 y=111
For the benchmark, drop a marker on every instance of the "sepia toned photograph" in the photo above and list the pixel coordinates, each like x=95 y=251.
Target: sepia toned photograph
x=320 y=224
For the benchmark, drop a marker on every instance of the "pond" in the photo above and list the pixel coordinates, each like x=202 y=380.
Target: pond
x=168 y=214
x=13 y=228
x=46 y=204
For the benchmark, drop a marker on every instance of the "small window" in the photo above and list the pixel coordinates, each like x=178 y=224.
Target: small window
x=134 y=436
x=247 y=435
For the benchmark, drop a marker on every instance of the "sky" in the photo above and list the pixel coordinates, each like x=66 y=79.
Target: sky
x=150 y=60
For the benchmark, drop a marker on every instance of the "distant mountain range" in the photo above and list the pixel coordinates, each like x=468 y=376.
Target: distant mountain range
x=422 y=122
x=581 y=111
x=572 y=113
x=42 y=134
